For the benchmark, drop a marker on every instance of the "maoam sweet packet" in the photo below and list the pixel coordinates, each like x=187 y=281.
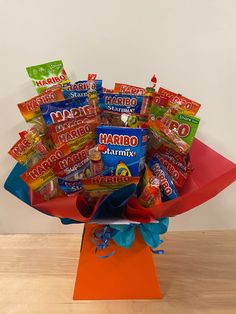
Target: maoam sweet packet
x=48 y=74
x=81 y=88
x=67 y=109
x=125 y=149
x=122 y=103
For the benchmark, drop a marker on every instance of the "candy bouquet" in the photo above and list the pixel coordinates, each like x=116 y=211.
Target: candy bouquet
x=124 y=159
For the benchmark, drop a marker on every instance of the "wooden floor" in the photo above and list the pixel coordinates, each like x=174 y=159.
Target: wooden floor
x=197 y=275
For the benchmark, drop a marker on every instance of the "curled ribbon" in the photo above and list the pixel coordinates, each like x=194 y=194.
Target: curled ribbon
x=124 y=235
x=101 y=237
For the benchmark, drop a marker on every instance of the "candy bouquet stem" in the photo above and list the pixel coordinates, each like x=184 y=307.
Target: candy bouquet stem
x=90 y=153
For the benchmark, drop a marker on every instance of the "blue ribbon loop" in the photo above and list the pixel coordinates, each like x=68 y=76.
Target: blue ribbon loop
x=124 y=235
x=101 y=238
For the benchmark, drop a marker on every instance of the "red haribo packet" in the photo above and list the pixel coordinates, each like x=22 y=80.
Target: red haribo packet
x=30 y=109
x=128 y=89
x=75 y=165
x=187 y=105
x=75 y=136
x=41 y=173
x=23 y=151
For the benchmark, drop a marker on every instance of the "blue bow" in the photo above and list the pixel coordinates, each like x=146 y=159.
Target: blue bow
x=123 y=235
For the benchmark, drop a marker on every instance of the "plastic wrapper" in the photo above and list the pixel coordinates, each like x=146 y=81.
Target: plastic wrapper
x=128 y=89
x=132 y=120
x=122 y=103
x=147 y=100
x=67 y=109
x=75 y=137
x=75 y=165
x=48 y=74
x=40 y=177
x=179 y=177
x=99 y=186
x=168 y=189
x=185 y=104
x=23 y=152
x=62 y=126
x=41 y=144
x=30 y=109
x=81 y=88
x=70 y=186
x=149 y=186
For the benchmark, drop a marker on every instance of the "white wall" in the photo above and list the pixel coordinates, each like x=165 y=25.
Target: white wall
x=190 y=44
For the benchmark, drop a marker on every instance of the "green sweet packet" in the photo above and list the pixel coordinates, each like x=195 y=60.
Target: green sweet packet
x=157 y=111
x=185 y=125
x=48 y=74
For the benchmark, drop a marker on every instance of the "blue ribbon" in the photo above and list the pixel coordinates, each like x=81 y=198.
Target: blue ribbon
x=101 y=238
x=123 y=235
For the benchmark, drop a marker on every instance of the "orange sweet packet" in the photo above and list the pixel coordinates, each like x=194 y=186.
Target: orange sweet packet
x=30 y=109
x=41 y=173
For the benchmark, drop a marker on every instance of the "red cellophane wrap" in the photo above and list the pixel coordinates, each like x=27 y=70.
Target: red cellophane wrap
x=212 y=173
x=74 y=207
